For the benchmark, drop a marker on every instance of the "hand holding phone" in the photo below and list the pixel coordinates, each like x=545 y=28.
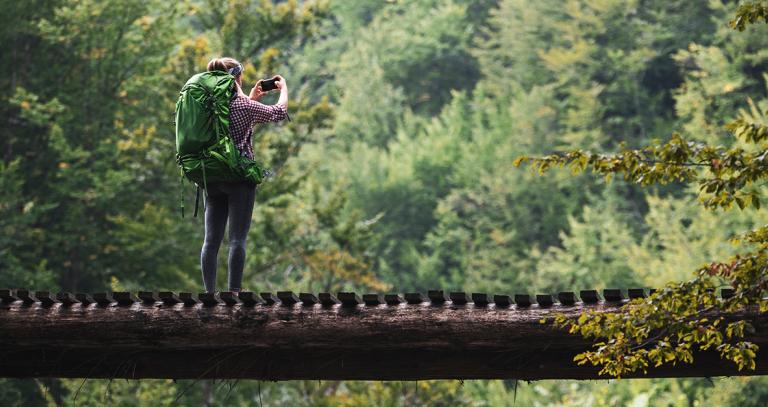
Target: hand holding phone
x=268 y=84
x=256 y=92
x=276 y=82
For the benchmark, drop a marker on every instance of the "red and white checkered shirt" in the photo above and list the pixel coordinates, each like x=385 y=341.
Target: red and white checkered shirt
x=244 y=113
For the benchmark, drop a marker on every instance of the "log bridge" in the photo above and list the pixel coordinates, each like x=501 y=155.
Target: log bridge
x=320 y=337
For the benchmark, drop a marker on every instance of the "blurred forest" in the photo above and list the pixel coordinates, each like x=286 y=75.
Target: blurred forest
x=394 y=175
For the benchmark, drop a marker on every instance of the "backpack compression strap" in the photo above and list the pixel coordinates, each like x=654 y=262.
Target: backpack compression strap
x=181 y=192
x=197 y=200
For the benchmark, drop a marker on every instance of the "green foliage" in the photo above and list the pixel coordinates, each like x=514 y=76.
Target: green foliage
x=750 y=13
x=747 y=392
x=595 y=253
x=672 y=324
x=607 y=62
x=682 y=236
x=18 y=227
x=18 y=393
x=409 y=58
x=731 y=173
x=274 y=30
x=393 y=174
x=69 y=134
x=308 y=242
x=665 y=328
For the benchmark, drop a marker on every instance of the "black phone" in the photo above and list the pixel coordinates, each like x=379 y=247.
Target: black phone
x=268 y=84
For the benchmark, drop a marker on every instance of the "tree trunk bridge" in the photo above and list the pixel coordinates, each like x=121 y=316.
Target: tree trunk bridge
x=323 y=337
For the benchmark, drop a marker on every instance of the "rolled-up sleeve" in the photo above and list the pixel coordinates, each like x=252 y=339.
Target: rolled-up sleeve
x=261 y=113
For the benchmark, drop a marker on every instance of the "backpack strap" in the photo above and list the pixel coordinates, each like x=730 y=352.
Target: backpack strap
x=197 y=200
x=205 y=183
x=181 y=193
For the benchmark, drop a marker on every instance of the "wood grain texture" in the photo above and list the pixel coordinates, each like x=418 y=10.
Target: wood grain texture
x=388 y=341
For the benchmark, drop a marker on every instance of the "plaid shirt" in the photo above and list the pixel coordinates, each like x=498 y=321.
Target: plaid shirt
x=244 y=113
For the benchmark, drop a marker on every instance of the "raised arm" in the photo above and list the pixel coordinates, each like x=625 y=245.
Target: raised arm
x=283 y=86
x=262 y=113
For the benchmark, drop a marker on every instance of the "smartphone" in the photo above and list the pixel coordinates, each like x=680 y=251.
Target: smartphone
x=268 y=84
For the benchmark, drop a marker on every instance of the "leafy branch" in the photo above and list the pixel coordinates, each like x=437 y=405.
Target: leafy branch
x=724 y=175
x=749 y=13
x=672 y=324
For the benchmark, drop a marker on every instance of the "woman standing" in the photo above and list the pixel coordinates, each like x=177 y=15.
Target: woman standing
x=234 y=201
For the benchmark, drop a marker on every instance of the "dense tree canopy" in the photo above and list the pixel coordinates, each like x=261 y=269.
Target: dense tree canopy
x=676 y=321
x=395 y=173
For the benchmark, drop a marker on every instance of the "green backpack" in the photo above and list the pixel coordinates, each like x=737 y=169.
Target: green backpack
x=205 y=151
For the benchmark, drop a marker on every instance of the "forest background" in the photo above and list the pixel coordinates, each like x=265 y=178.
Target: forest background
x=394 y=175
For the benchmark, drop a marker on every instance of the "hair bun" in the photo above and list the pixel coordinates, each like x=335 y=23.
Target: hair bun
x=223 y=64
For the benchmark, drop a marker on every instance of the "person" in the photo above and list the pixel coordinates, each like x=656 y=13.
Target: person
x=233 y=202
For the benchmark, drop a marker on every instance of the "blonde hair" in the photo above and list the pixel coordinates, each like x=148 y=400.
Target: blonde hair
x=224 y=64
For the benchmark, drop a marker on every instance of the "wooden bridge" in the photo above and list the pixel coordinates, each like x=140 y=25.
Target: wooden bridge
x=287 y=336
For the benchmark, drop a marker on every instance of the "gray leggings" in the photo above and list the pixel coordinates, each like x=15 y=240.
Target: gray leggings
x=233 y=201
